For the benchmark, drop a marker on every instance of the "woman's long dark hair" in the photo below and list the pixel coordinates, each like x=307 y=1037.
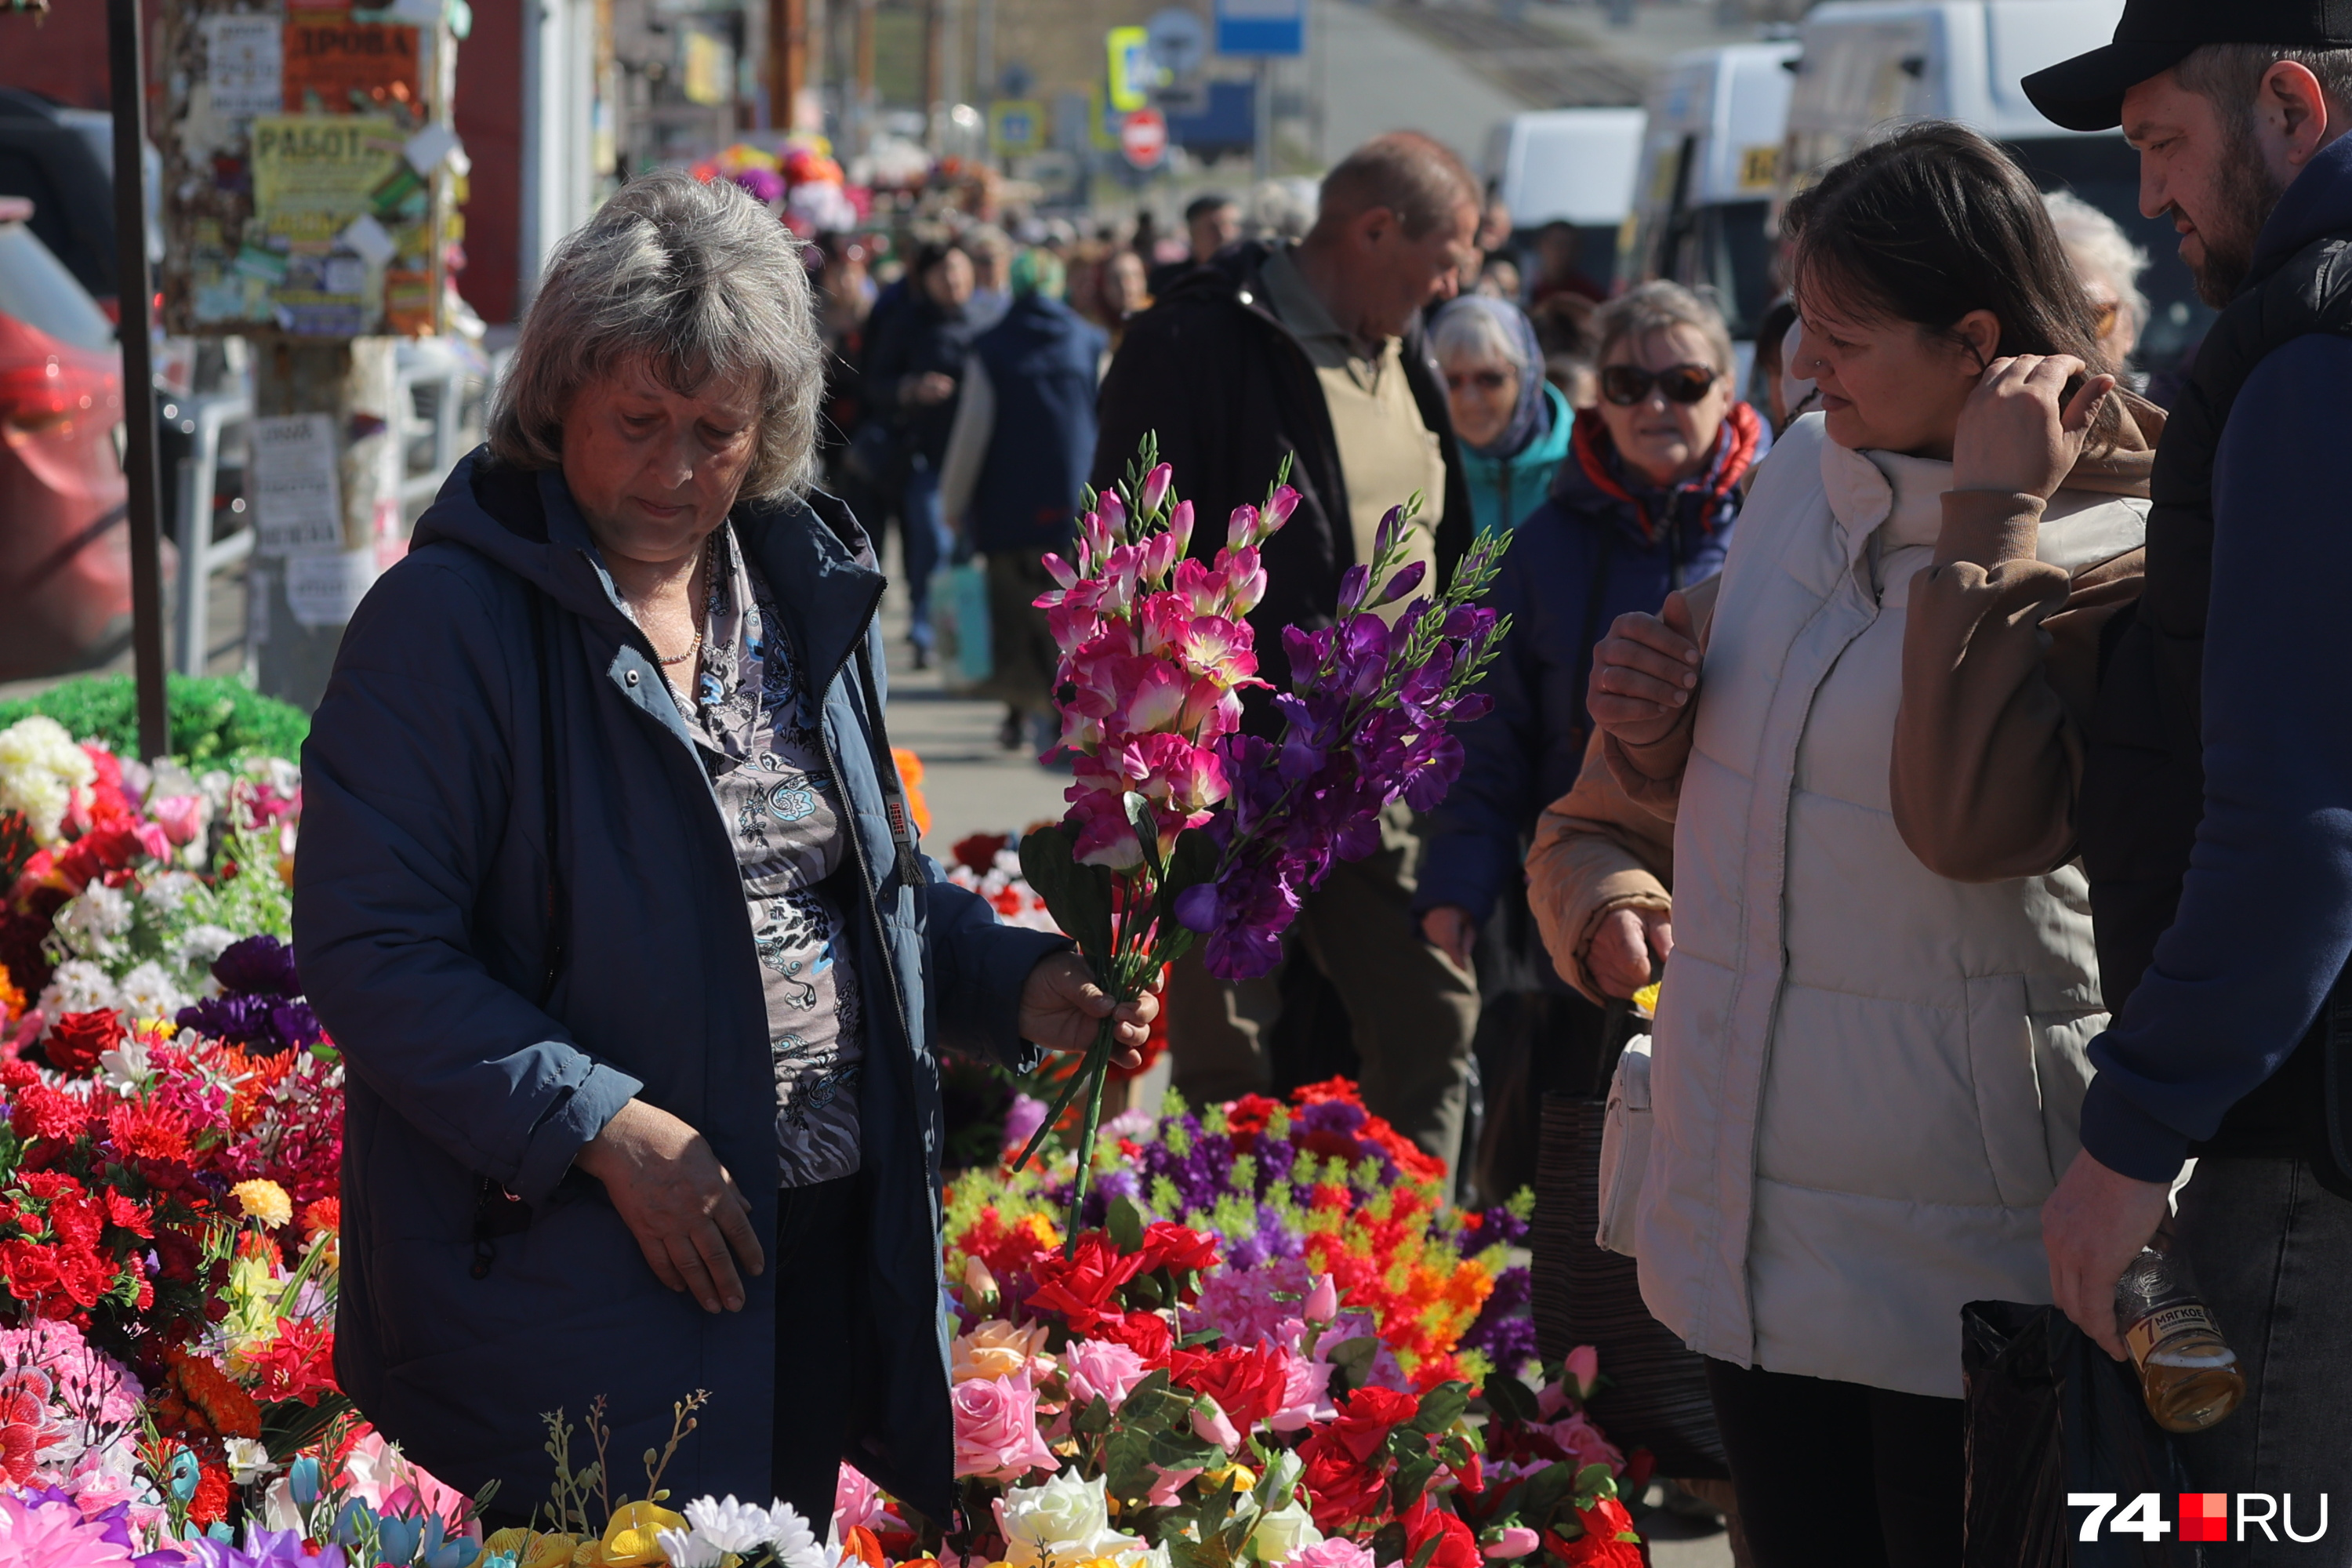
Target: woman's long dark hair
x=1932 y=222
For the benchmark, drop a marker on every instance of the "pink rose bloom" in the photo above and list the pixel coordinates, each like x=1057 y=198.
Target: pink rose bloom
x=996 y=1436
x=1170 y=1482
x=1584 y=1371
x=1211 y=1424
x=1582 y=1441
x=1103 y=1369
x=1517 y=1541
x=180 y=816
x=1337 y=1553
x=859 y=1501
x=1304 y=1387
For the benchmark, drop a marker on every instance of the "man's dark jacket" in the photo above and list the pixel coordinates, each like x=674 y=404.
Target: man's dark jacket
x=1041 y=360
x=2217 y=793
x=1230 y=392
x=497 y=651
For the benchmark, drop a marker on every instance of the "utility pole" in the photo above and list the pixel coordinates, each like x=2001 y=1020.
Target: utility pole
x=127 y=88
x=788 y=48
x=864 y=120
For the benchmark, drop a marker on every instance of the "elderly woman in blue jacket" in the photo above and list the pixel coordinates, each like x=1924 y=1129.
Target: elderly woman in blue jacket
x=1643 y=504
x=1512 y=424
x=608 y=893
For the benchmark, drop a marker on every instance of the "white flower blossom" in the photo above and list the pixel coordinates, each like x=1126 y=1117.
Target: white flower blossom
x=166 y=893
x=247 y=1461
x=150 y=991
x=200 y=944
x=93 y=923
x=728 y=1525
x=40 y=770
x=688 y=1548
x=796 y=1544
x=125 y=1069
x=77 y=986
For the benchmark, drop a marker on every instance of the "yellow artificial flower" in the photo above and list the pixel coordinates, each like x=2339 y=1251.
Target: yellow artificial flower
x=997 y=1349
x=548 y=1549
x=1242 y=1479
x=265 y=1201
x=1646 y=999
x=629 y=1539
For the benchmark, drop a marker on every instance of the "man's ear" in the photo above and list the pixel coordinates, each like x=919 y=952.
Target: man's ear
x=2291 y=107
x=1373 y=226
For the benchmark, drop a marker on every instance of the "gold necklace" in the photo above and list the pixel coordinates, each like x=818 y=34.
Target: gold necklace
x=708 y=546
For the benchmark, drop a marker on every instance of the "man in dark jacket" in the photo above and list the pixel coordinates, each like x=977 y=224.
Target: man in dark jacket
x=2217 y=795
x=1314 y=352
x=1016 y=462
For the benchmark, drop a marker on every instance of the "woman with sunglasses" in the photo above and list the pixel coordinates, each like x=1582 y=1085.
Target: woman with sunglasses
x=1512 y=424
x=1866 y=1075
x=1643 y=505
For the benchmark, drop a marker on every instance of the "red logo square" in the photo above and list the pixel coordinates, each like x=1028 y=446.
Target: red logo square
x=2204 y=1516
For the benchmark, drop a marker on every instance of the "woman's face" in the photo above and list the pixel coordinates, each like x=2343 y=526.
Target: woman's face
x=1483 y=390
x=1662 y=440
x=654 y=470
x=1893 y=386
x=950 y=283
x=1123 y=282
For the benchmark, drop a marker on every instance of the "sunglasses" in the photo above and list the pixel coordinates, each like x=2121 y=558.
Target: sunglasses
x=1629 y=385
x=1484 y=380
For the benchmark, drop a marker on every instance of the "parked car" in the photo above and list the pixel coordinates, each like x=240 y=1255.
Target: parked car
x=50 y=156
x=1572 y=166
x=1869 y=62
x=65 y=556
x=1710 y=163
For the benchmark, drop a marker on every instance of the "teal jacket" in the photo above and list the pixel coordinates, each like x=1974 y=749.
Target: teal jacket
x=1503 y=490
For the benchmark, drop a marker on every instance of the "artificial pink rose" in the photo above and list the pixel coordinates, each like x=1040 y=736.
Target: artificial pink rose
x=1583 y=1371
x=1304 y=1399
x=1582 y=1441
x=996 y=1436
x=153 y=839
x=1169 y=1483
x=1338 y=1552
x=858 y=1503
x=1323 y=1302
x=1517 y=1541
x=1211 y=1424
x=1103 y=1369
x=180 y=816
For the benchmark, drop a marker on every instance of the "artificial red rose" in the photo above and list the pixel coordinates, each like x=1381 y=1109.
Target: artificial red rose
x=1247 y=1385
x=1424 y=1521
x=1371 y=1413
x=1146 y=1334
x=1247 y=1117
x=1340 y=1489
x=75 y=1039
x=1177 y=1249
x=1081 y=1288
x=1599 y=1546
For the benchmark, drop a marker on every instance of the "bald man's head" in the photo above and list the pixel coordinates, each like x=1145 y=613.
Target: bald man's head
x=1415 y=177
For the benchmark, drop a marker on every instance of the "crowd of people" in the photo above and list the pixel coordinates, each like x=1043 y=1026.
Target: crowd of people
x=1945 y=715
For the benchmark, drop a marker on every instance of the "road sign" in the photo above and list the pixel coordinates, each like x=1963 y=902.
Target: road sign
x=1261 y=26
x=1143 y=137
x=1133 y=72
x=1015 y=126
x=1179 y=43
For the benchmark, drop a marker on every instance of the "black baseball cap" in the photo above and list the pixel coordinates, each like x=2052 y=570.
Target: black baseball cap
x=2086 y=93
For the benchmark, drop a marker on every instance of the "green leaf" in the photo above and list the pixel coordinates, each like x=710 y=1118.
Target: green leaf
x=1545 y=1489
x=1511 y=1399
x=1353 y=1360
x=1076 y=896
x=1127 y=1225
x=1094 y=1420
x=1441 y=1407
x=1428 y=1550
x=1413 y=1475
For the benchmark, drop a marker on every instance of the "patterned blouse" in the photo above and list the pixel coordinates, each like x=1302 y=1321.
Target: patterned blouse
x=756 y=726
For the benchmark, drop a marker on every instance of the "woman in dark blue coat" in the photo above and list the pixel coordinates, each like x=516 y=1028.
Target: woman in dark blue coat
x=608 y=894
x=1644 y=504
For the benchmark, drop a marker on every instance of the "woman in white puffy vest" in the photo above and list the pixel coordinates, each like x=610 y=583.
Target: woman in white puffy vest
x=1866 y=1076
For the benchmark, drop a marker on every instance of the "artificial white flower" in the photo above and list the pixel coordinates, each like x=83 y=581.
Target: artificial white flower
x=796 y=1544
x=1065 y=1520
x=200 y=944
x=124 y=1068
x=150 y=991
x=166 y=892
x=1285 y=1534
x=93 y=923
x=40 y=770
x=728 y=1525
x=688 y=1548
x=247 y=1461
x=77 y=985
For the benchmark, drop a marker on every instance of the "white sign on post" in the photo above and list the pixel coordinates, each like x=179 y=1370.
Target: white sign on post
x=245 y=64
x=323 y=587
x=297 y=503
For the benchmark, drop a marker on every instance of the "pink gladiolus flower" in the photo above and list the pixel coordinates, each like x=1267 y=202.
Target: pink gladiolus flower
x=1095 y=540
x=1241 y=527
x=180 y=816
x=1159 y=558
x=1155 y=488
x=1152 y=697
x=996 y=1434
x=1105 y=836
x=1278 y=509
x=1517 y=1541
x=1061 y=571
x=1179 y=526
x=1103 y=1369
x=1216 y=646
x=1114 y=512
x=1244 y=579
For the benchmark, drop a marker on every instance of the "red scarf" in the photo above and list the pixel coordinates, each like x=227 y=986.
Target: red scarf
x=1735 y=450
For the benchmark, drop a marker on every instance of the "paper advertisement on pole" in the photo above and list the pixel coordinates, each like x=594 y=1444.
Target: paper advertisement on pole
x=342 y=66
x=297 y=496
x=324 y=588
x=243 y=65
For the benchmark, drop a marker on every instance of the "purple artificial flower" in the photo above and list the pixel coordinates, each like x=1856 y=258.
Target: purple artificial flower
x=1022 y=1121
x=258 y=967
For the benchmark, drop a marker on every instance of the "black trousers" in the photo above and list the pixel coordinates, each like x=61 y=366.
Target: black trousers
x=1792 y=1439
x=819 y=1266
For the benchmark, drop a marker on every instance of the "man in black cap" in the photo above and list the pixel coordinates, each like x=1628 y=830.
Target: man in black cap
x=2216 y=813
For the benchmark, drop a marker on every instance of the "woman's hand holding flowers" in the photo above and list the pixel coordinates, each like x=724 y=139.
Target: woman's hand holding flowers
x=2014 y=436
x=1063 y=1006
x=1644 y=673
x=679 y=1201
x=1626 y=948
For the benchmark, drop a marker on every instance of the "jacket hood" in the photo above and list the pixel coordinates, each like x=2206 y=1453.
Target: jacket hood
x=2318 y=202
x=1590 y=482
x=1547 y=448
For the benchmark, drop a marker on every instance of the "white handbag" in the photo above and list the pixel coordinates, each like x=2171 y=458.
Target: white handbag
x=1624 y=1147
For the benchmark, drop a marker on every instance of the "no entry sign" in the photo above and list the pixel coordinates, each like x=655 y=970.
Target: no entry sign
x=1143 y=137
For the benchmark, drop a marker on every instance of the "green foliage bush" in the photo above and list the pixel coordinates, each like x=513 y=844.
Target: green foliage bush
x=215 y=719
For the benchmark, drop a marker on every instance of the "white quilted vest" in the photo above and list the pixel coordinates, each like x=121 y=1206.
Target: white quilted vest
x=1866 y=1077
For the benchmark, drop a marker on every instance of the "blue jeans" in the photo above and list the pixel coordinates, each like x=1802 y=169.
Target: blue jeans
x=922 y=541
x=2271 y=1250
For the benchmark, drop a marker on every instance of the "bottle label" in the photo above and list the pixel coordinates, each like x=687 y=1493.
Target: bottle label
x=2160 y=1325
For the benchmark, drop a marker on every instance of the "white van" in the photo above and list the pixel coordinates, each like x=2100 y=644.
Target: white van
x=1866 y=62
x=1710 y=164
x=1572 y=166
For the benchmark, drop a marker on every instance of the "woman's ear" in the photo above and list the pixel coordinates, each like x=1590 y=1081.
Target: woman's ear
x=1980 y=330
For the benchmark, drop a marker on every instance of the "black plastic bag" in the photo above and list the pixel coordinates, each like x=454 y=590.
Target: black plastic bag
x=2050 y=1413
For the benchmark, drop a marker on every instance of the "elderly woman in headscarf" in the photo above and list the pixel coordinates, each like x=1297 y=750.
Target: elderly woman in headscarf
x=609 y=894
x=1512 y=424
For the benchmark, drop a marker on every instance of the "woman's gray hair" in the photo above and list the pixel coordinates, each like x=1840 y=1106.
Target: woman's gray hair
x=1466 y=329
x=1657 y=307
x=2101 y=253
x=698 y=280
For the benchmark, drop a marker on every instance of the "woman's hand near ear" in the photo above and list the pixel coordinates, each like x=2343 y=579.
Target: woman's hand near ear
x=2019 y=432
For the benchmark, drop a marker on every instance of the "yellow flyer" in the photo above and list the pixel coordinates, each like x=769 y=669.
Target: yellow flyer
x=313 y=173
